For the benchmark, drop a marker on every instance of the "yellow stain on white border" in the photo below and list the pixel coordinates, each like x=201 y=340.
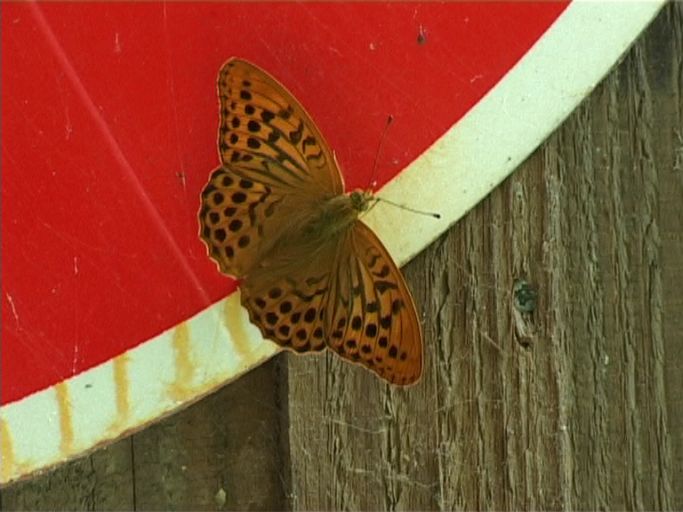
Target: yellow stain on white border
x=66 y=444
x=6 y=452
x=182 y=386
x=233 y=313
x=121 y=395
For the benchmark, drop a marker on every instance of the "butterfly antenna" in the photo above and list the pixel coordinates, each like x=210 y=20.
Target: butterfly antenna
x=408 y=208
x=373 y=177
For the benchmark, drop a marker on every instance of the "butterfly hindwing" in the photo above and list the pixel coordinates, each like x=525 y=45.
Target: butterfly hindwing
x=371 y=317
x=263 y=128
x=287 y=295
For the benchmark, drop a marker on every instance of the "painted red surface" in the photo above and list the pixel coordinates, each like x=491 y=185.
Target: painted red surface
x=109 y=119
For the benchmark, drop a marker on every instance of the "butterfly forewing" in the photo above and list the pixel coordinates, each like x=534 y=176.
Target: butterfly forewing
x=263 y=128
x=371 y=318
x=275 y=161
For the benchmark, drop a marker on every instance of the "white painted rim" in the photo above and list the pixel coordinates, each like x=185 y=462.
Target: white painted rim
x=457 y=171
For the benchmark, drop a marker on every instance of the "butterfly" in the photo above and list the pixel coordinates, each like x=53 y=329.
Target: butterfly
x=275 y=215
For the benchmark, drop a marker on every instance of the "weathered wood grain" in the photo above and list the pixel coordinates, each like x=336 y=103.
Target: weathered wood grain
x=575 y=405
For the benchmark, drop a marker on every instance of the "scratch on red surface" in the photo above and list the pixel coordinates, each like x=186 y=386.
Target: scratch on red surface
x=13 y=307
x=171 y=86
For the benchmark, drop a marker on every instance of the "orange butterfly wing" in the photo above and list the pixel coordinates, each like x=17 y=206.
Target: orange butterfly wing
x=275 y=161
x=371 y=316
x=287 y=296
x=263 y=128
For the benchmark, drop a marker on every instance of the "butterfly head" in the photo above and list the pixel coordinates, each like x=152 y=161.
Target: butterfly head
x=361 y=199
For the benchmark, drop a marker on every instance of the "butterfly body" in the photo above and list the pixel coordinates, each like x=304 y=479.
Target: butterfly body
x=275 y=215
x=334 y=215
